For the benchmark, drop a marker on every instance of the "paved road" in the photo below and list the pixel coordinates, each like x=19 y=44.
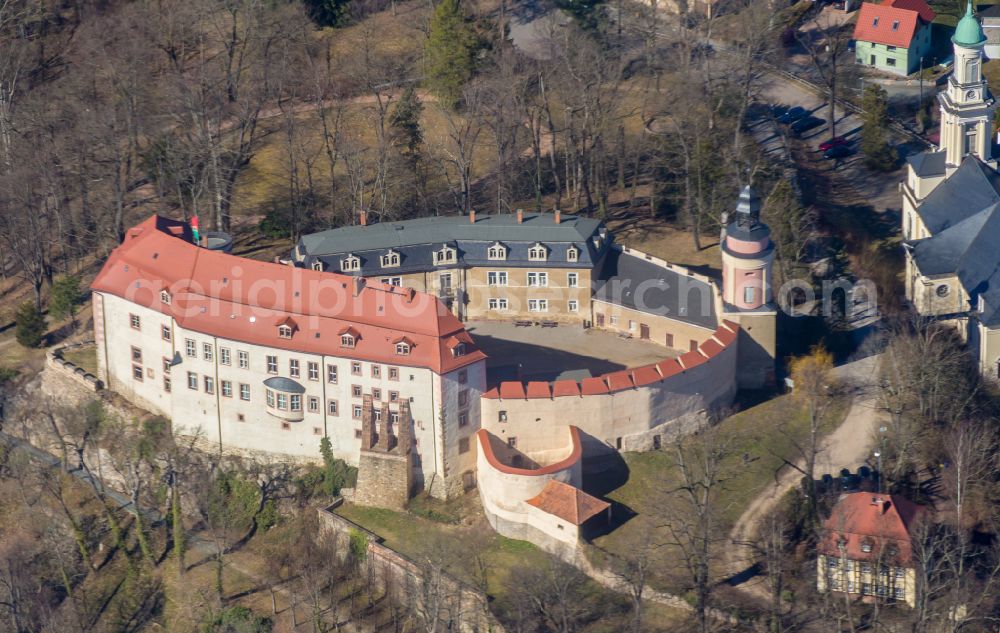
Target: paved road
x=849 y=446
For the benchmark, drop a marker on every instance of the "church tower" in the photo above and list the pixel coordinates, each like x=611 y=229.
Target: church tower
x=747 y=294
x=967 y=105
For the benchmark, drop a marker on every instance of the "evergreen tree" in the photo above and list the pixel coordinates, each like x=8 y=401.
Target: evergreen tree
x=449 y=53
x=878 y=154
x=30 y=324
x=65 y=298
x=405 y=124
x=327 y=12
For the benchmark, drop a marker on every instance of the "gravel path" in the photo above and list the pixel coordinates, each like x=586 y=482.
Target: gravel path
x=849 y=446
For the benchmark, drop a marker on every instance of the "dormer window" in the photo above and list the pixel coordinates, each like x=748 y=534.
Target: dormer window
x=403 y=347
x=390 y=259
x=497 y=251
x=572 y=254
x=350 y=263
x=285 y=331
x=895 y=25
x=447 y=255
x=875 y=22
x=597 y=241
x=866 y=545
x=317 y=265
x=165 y=297
x=458 y=350
x=537 y=253
x=349 y=337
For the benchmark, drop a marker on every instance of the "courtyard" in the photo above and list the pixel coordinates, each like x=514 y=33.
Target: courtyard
x=565 y=352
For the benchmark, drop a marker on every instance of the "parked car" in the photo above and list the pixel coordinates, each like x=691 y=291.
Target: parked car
x=833 y=142
x=838 y=151
x=792 y=115
x=777 y=110
x=806 y=124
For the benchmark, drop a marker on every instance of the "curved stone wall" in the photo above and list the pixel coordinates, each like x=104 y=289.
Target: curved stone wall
x=504 y=488
x=624 y=410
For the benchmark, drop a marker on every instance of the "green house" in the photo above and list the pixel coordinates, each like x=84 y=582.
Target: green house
x=893 y=36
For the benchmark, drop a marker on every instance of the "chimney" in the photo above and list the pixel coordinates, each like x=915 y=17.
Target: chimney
x=520 y=216
x=359 y=283
x=472 y=216
x=558 y=216
x=363 y=218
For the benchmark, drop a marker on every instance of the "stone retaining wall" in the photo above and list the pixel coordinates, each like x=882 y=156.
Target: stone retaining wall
x=466 y=607
x=54 y=359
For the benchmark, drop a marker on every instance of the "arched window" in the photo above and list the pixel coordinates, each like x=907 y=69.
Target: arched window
x=402 y=348
x=347 y=340
x=572 y=254
x=537 y=253
x=350 y=263
x=317 y=265
x=285 y=331
x=390 y=259
x=447 y=255
x=497 y=251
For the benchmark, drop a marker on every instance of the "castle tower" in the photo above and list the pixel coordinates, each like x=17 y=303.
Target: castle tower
x=385 y=466
x=747 y=295
x=967 y=105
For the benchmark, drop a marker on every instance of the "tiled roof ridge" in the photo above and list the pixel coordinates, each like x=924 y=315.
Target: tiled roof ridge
x=622 y=380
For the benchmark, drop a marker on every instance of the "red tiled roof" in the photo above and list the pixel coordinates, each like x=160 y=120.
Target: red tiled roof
x=886 y=24
x=923 y=9
x=537 y=389
x=878 y=519
x=568 y=502
x=239 y=299
x=619 y=380
x=727 y=333
x=691 y=359
x=669 y=367
x=487 y=441
x=645 y=375
x=710 y=348
x=593 y=386
x=565 y=388
x=512 y=390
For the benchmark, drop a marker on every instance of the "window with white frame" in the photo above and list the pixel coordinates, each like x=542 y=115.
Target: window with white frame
x=350 y=263
x=572 y=254
x=447 y=255
x=165 y=297
x=134 y=321
x=538 y=279
x=165 y=332
x=331 y=374
x=538 y=305
x=295 y=402
x=317 y=265
x=496 y=278
x=347 y=340
x=225 y=357
x=293 y=367
x=402 y=348
x=269 y=397
x=572 y=280
x=285 y=331
x=244 y=392
x=244 y=359
x=282 y=399
x=458 y=350
x=313 y=371
x=498 y=303
x=497 y=252
x=227 y=388
x=190 y=348
x=313 y=404
x=192 y=380
x=206 y=351
x=272 y=364
x=572 y=305
x=209 y=385
x=390 y=259
x=392 y=281
x=332 y=407
x=538 y=253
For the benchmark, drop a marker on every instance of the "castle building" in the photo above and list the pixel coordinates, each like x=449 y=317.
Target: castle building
x=265 y=357
x=361 y=341
x=950 y=217
x=508 y=266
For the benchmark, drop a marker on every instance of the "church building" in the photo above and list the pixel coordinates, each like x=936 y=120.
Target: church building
x=951 y=208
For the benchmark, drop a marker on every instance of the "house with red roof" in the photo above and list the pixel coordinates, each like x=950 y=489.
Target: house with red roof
x=893 y=36
x=866 y=547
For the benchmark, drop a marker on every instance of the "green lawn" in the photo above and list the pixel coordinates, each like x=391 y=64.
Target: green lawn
x=757 y=437
x=84 y=357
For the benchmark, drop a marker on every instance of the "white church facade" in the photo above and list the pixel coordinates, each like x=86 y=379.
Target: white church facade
x=951 y=208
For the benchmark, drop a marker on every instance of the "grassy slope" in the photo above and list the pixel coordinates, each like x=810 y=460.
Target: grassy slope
x=762 y=434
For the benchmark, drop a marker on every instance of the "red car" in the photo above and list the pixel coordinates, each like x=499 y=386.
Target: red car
x=836 y=141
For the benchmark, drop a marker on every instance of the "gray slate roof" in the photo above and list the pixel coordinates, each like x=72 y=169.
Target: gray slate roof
x=416 y=240
x=287 y=385
x=970 y=189
x=633 y=282
x=927 y=164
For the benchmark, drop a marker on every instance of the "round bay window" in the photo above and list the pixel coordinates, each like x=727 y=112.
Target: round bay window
x=283 y=398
